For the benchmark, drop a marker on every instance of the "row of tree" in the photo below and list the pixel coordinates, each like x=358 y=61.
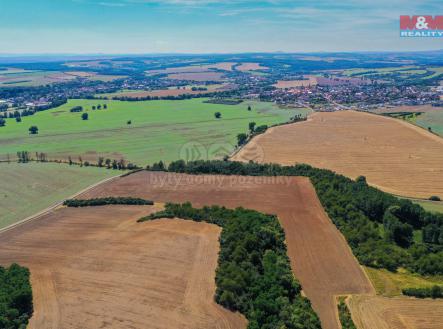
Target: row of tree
x=106 y=201
x=431 y=292
x=378 y=226
x=253 y=276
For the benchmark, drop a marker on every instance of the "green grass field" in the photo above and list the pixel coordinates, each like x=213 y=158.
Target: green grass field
x=432 y=206
x=433 y=119
x=29 y=188
x=158 y=131
x=390 y=284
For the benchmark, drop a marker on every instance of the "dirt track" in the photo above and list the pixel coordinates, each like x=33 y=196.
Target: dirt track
x=375 y=312
x=393 y=155
x=97 y=268
x=320 y=257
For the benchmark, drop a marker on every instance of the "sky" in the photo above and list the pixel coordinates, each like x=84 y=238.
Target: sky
x=209 y=26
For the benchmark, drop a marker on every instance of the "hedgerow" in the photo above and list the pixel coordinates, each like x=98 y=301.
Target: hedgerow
x=106 y=201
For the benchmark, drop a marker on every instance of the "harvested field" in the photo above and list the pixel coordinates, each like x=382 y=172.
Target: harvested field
x=169 y=92
x=99 y=268
x=320 y=256
x=310 y=81
x=250 y=67
x=375 y=312
x=341 y=81
x=393 y=155
x=225 y=66
x=202 y=76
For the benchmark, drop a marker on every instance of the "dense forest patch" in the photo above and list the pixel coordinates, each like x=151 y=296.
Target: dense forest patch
x=15 y=297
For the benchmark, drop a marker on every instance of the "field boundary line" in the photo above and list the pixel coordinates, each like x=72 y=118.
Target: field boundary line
x=54 y=206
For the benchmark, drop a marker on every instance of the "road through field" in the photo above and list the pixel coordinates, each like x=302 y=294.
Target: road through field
x=98 y=268
x=395 y=156
x=320 y=257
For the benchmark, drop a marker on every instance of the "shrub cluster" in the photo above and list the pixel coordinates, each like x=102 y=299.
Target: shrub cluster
x=345 y=315
x=360 y=211
x=15 y=297
x=254 y=276
x=106 y=201
x=433 y=292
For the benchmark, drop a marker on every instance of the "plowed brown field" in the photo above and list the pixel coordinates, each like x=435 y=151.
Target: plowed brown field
x=393 y=155
x=320 y=257
x=375 y=312
x=98 y=268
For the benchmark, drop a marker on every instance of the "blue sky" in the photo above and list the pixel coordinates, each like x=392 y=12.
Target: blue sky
x=208 y=26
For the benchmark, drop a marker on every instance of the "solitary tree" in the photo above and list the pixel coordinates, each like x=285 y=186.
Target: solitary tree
x=129 y=122
x=105 y=106
x=249 y=108
x=85 y=116
x=251 y=126
x=99 y=107
x=93 y=108
x=100 y=161
x=241 y=138
x=33 y=130
x=217 y=115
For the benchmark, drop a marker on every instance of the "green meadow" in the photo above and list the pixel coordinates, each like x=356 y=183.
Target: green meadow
x=158 y=130
x=432 y=119
x=29 y=188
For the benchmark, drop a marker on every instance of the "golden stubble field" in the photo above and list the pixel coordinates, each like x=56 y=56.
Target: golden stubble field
x=376 y=312
x=393 y=155
x=98 y=268
x=320 y=257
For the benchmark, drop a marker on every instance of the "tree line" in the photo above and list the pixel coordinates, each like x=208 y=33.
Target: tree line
x=15 y=297
x=254 y=276
x=106 y=201
x=378 y=226
x=430 y=292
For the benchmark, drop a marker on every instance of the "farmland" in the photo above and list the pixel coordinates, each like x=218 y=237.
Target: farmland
x=167 y=92
x=376 y=312
x=99 y=268
x=197 y=76
x=310 y=81
x=29 y=188
x=388 y=152
x=24 y=78
x=320 y=257
x=157 y=129
x=224 y=66
x=427 y=116
x=246 y=67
